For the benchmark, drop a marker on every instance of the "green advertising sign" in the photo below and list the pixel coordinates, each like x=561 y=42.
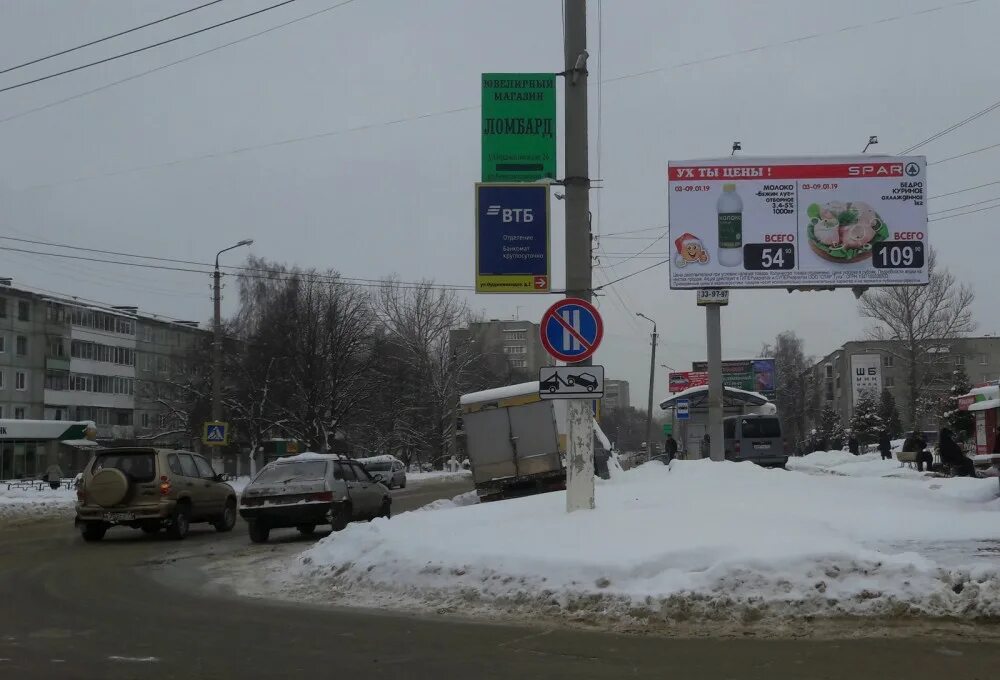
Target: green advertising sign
x=519 y=127
x=668 y=428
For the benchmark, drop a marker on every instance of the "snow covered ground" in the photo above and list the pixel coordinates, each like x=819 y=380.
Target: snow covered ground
x=695 y=541
x=437 y=476
x=27 y=504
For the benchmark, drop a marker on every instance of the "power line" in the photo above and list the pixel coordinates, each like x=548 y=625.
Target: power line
x=760 y=48
x=952 y=128
x=635 y=231
x=114 y=35
x=967 y=212
x=967 y=205
x=143 y=49
x=173 y=63
x=628 y=276
x=962 y=191
x=967 y=153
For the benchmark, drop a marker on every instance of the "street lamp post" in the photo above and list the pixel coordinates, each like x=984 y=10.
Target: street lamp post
x=652 y=375
x=217 y=333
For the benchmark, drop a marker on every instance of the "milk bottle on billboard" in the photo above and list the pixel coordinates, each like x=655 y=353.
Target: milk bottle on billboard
x=730 y=209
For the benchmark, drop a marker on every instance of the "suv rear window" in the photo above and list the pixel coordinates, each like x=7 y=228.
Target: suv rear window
x=761 y=427
x=138 y=467
x=315 y=469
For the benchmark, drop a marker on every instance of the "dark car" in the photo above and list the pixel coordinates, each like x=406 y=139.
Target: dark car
x=588 y=380
x=309 y=489
x=551 y=383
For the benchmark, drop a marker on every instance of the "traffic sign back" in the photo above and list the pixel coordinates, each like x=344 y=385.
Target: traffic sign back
x=571 y=330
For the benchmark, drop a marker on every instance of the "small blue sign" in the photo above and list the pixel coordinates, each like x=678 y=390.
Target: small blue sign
x=682 y=409
x=512 y=238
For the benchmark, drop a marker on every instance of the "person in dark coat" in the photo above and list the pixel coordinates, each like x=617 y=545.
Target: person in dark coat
x=671 y=447
x=996 y=444
x=916 y=443
x=853 y=445
x=952 y=456
x=885 y=446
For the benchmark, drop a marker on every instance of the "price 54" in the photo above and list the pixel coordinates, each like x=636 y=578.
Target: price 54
x=765 y=256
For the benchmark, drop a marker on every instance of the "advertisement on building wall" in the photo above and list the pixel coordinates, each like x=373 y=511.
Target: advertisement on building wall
x=866 y=375
x=798 y=222
x=752 y=375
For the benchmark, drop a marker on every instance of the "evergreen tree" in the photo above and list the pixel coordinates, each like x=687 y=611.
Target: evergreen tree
x=866 y=423
x=960 y=422
x=890 y=415
x=831 y=429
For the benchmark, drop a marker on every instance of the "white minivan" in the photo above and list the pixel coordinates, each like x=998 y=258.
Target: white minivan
x=755 y=438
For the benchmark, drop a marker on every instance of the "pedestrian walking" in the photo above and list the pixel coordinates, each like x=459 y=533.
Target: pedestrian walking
x=885 y=446
x=952 y=456
x=853 y=445
x=53 y=475
x=671 y=447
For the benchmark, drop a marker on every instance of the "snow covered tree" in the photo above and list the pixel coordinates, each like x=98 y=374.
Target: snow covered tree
x=866 y=423
x=831 y=429
x=890 y=415
x=960 y=422
x=791 y=382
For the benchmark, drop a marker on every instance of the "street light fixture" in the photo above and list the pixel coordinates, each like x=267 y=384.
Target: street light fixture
x=217 y=332
x=652 y=371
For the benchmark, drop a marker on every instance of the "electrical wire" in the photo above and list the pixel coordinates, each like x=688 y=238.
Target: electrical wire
x=114 y=35
x=967 y=212
x=967 y=153
x=173 y=63
x=628 y=276
x=962 y=191
x=635 y=231
x=952 y=128
x=967 y=205
x=143 y=49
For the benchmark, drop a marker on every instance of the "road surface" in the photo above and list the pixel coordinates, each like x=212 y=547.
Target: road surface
x=96 y=612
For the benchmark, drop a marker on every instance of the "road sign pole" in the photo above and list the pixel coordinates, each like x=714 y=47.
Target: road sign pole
x=579 y=283
x=713 y=317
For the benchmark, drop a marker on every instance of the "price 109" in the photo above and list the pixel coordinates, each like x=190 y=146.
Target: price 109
x=898 y=255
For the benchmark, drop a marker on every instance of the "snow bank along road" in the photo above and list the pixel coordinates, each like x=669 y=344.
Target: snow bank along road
x=698 y=543
x=73 y=610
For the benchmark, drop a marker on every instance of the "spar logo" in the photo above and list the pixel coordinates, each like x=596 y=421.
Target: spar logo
x=507 y=215
x=877 y=170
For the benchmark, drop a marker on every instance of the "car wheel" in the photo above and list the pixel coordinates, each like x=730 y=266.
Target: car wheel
x=306 y=529
x=342 y=518
x=386 y=510
x=402 y=485
x=93 y=531
x=590 y=388
x=151 y=528
x=259 y=531
x=228 y=519
x=180 y=523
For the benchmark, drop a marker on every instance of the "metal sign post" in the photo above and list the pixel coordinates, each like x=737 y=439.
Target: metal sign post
x=713 y=317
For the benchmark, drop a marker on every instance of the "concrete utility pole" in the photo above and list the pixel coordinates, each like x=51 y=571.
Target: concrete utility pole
x=713 y=317
x=579 y=281
x=652 y=376
x=217 y=333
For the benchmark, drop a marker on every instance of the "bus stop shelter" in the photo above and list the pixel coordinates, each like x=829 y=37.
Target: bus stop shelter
x=735 y=402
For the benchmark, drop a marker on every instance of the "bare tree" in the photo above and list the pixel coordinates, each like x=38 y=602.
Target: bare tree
x=792 y=384
x=921 y=322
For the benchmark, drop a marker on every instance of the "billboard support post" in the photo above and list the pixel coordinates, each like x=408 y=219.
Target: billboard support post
x=713 y=325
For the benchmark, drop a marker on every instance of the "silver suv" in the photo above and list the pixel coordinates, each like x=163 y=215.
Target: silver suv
x=151 y=489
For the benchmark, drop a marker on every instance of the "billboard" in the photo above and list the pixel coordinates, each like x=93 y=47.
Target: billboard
x=512 y=238
x=798 y=222
x=519 y=127
x=866 y=375
x=752 y=375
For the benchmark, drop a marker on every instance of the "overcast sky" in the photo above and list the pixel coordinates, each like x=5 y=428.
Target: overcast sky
x=125 y=169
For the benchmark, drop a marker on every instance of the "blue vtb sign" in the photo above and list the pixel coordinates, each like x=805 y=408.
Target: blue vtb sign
x=512 y=238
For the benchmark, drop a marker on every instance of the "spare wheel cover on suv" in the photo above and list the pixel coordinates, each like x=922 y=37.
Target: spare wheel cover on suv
x=108 y=487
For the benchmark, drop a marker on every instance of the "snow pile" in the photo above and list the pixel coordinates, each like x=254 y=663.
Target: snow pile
x=693 y=541
x=36 y=504
x=846 y=464
x=438 y=476
x=459 y=501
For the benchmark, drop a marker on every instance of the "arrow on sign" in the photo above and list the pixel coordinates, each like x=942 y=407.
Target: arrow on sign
x=541 y=282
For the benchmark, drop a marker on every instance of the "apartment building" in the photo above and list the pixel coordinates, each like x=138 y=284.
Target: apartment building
x=844 y=374
x=518 y=340
x=64 y=359
x=616 y=395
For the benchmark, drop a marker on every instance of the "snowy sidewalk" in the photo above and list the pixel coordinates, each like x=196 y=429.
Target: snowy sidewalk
x=27 y=504
x=697 y=541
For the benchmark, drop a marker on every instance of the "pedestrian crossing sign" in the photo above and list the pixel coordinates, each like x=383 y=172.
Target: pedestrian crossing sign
x=215 y=434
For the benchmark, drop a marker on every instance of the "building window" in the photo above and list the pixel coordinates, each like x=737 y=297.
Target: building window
x=515 y=349
x=888 y=361
x=838 y=382
x=21 y=346
x=3 y=379
x=890 y=381
x=56 y=347
x=984 y=359
x=56 y=380
x=147 y=362
x=515 y=335
x=3 y=308
x=3 y=344
x=519 y=363
x=145 y=419
x=55 y=312
x=20 y=380
x=829 y=371
x=161 y=364
x=23 y=310
x=829 y=391
x=19 y=413
x=959 y=360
